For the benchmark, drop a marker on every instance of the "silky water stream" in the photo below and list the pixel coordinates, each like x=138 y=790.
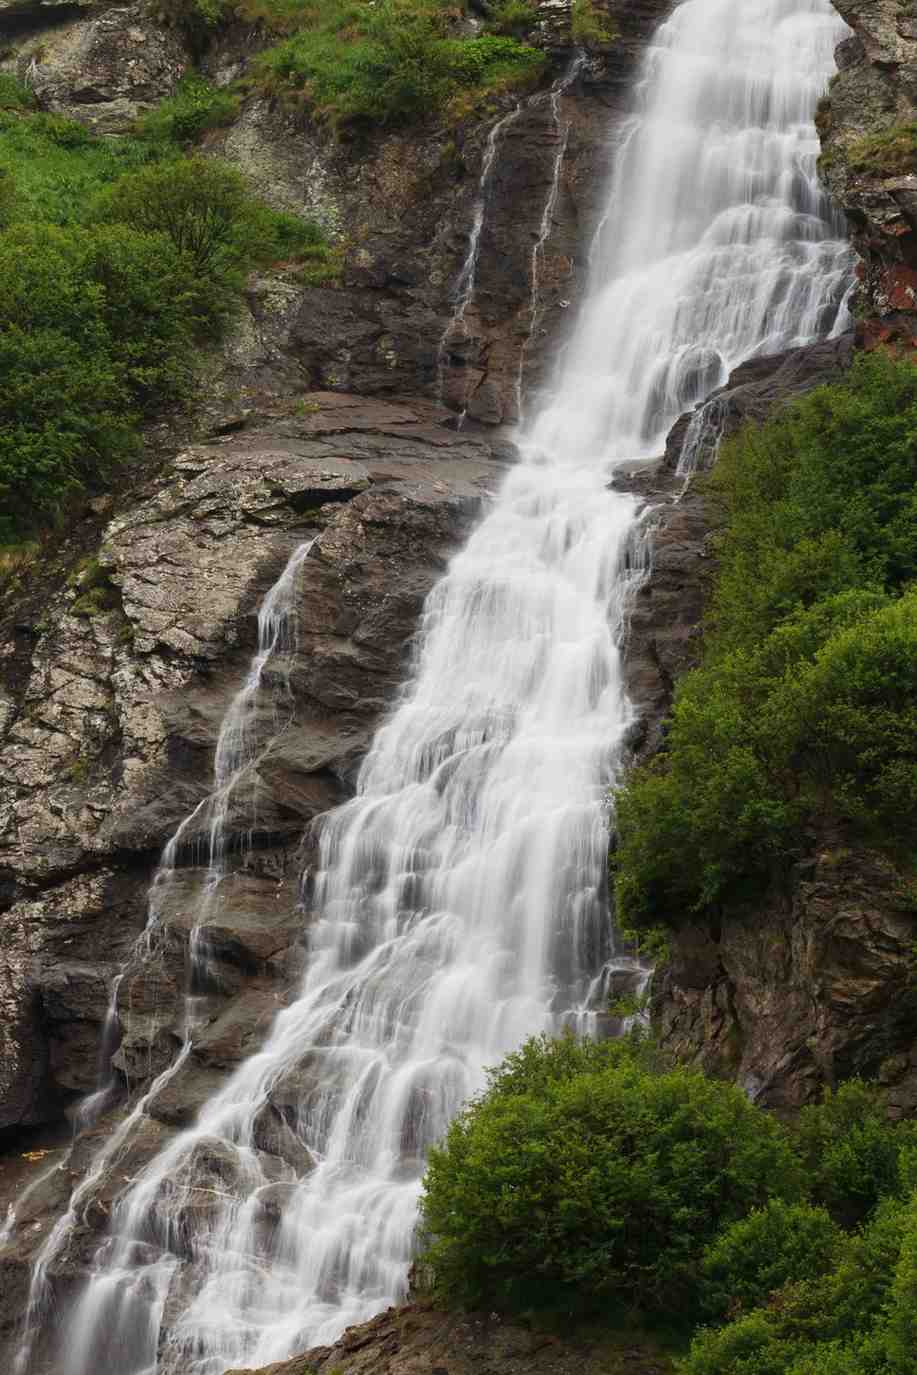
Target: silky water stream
x=459 y=904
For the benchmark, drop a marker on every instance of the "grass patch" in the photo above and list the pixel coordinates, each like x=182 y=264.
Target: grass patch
x=390 y=63
x=182 y=118
x=590 y=25
x=888 y=154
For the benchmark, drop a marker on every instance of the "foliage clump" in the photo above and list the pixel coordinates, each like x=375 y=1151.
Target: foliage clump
x=183 y=117
x=593 y=1180
x=119 y=262
x=584 y=1177
x=590 y=25
x=805 y=704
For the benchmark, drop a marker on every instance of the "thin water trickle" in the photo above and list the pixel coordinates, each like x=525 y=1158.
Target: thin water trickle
x=241 y=739
x=466 y=282
x=459 y=904
x=562 y=136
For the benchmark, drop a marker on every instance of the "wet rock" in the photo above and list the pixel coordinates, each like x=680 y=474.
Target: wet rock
x=419 y=1337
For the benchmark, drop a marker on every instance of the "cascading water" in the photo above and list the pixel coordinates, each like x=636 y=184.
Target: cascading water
x=459 y=896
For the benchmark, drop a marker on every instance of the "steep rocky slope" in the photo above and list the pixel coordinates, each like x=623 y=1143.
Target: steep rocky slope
x=323 y=419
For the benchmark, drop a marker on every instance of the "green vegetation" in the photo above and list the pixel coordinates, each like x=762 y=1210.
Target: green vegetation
x=195 y=107
x=584 y=1178
x=590 y=25
x=393 y=62
x=14 y=94
x=805 y=705
x=591 y=1180
x=120 y=260
x=887 y=154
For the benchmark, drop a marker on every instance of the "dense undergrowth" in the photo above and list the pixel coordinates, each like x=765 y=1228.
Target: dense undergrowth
x=592 y=1182
x=120 y=261
x=804 y=707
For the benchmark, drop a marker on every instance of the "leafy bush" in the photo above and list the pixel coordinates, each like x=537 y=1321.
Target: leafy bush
x=195 y=107
x=95 y=327
x=851 y=1153
x=583 y=1177
x=857 y=1319
x=114 y=270
x=512 y=17
x=771 y=1247
x=806 y=700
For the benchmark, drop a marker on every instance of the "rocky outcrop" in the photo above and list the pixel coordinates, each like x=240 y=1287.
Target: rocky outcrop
x=112 y=721
x=420 y=1340
x=804 y=989
x=869 y=159
x=103 y=66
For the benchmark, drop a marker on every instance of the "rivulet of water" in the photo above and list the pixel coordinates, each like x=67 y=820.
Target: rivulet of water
x=240 y=741
x=459 y=903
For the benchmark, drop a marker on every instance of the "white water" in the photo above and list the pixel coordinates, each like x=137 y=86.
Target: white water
x=460 y=899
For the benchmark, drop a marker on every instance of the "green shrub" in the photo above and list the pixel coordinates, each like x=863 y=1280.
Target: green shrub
x=850 y=1151
x=771 y=1247
x=14 y=94
x=806 y=700
x=95 y=328
x=856 y=1319
x=195 y=107
x=568 y=1186
x=206 y=209
x=512 y=17
x=114 y=270
x=749 y=1346
x=591 y=25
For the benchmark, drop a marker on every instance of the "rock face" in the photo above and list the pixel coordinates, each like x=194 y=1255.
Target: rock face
x=807 y=988
x=869 y=159
x=113 y=707
x=102 y=66
x=419 y=1340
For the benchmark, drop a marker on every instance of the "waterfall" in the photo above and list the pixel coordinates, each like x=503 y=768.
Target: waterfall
x=459 y=898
